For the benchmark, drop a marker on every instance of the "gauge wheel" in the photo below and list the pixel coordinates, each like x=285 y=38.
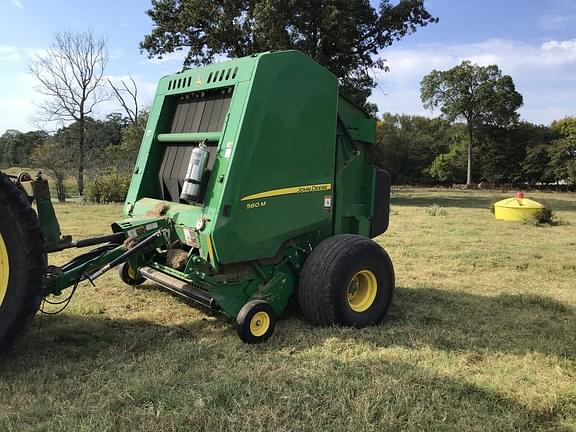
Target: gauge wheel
x=130 y=276
x=255 y=322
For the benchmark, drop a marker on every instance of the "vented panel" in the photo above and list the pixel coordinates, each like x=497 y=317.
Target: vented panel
x=217 y=76
x=201 y=111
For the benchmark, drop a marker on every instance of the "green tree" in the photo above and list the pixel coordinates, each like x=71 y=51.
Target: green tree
x=479 y=95
x=407 y=145
x=133 y=134
x=536 y=165
x=16 y=147
x=345 y=36
x=123 y=156
x=98 y=135
x=54 y=157
x=449 y=167
x=502 y=153
x=563 y=150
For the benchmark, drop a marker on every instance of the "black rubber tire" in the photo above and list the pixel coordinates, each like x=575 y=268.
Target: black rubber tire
x=124 y=271
x=244 y=319
x=328 y=273
x=27 y=262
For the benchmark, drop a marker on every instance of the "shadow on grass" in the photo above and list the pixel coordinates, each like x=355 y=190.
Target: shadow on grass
x=70 y=339
x=463 y=322
x=451 y=321
x=469 y=201
x=419 y=200
x=138 y=355
x=508 y=323
x=300 y=363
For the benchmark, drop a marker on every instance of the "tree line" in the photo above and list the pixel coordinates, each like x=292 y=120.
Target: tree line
x=477 y=137
x=110 y=149
x=415 y=150
x=434 y=151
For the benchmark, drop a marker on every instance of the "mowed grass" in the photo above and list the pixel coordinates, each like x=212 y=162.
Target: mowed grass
x=481 y=337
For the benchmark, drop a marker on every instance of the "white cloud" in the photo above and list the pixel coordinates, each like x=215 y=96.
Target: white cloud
x=17 y=103
x=569 y=45
x=544 y=74
x=559 y=52
x=18 y=4
x=9 y=53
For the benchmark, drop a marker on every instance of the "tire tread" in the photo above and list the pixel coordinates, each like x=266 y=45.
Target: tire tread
x=27 y=222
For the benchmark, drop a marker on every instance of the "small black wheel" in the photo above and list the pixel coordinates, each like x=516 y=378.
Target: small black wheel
x=130 y=276
x=347 y=280
x=255 y=322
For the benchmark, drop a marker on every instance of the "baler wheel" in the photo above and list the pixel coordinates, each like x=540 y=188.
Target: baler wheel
x=130 y=276
x=23 y=262
x=255 y=322
x=347 y=280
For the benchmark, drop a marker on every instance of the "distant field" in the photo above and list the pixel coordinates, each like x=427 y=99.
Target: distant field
x=481 y=337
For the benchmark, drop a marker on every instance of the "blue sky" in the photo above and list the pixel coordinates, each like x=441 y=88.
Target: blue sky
x=532 y=40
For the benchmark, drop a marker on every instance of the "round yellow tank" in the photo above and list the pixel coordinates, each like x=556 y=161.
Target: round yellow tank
x=516 y=209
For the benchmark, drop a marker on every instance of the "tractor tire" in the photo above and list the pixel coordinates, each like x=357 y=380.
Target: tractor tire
x=347 y=280
x=23 y=263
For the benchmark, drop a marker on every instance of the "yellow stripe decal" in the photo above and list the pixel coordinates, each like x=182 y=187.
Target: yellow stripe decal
x=289 y=191
x=211 y=255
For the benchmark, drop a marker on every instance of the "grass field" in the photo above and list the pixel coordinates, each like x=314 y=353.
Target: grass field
x=481 y=337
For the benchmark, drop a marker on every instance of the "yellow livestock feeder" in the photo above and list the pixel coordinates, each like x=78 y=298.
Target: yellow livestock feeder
x=517 y=208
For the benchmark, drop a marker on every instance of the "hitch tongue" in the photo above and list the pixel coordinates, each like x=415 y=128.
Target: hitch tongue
x=139 y=247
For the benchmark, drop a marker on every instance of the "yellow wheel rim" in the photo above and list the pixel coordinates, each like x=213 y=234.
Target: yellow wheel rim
x=362 y=291
x=132 y=273
x=259 y=324
x=4 y=269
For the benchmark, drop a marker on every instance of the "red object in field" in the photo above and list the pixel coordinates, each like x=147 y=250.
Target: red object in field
x=519 y=195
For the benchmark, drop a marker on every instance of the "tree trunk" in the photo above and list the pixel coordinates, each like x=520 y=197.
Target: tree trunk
x=469 y=169
x=81 y=158
x=60 y=190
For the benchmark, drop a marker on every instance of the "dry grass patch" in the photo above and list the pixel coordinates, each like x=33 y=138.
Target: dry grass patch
x=480 y=337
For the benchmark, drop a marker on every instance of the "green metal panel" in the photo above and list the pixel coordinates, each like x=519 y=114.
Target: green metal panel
x=274 y=163
x=361 y=126
x=280 y=168
x=144 y=181
x=354 y=176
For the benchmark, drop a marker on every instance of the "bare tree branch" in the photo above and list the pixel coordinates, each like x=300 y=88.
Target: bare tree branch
x=71 y=75
x=121 y=94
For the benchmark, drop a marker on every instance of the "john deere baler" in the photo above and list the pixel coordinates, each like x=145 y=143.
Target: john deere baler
x=253 y=184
